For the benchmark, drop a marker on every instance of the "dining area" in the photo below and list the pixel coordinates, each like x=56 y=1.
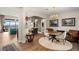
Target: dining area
x=55 y=34
x=55 y=40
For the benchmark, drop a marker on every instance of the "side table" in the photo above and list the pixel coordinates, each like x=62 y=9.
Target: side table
x=30 y=37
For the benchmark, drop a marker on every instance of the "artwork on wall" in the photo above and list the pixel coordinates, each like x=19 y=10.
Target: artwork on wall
x=68 y=22
x=53 y=23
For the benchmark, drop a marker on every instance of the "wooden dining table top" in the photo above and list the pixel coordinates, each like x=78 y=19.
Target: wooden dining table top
x=55 y=33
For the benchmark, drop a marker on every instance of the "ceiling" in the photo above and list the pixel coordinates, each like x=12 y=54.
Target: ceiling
x=49 y=10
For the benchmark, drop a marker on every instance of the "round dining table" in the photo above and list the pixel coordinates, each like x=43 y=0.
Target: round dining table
x=53 y=35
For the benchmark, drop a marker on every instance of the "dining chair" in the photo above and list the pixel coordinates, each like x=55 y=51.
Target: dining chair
x=62 y=36
x=47 y=35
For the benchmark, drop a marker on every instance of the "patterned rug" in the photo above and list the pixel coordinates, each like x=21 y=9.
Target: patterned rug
x=57 y=46
x=10 y=47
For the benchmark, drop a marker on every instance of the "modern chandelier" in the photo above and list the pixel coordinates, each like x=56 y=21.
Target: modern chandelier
x=54 y=16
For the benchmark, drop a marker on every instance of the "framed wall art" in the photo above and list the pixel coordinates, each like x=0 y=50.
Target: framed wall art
x=53 y=23
x=68 y=22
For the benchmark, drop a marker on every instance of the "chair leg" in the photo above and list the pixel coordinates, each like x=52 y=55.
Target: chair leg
x=50 y=38
x=77 y=41
x=56 y=39
x=64 y=41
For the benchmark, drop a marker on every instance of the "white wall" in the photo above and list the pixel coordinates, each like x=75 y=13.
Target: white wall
x=69 y=14
x=27 y=12
x=1 y=18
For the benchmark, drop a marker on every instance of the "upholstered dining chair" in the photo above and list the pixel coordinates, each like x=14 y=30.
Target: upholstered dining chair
x=47 y=34
x=62 y=36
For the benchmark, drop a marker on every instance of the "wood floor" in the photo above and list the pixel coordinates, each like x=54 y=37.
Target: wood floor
x=5 y=39
x=34 y=46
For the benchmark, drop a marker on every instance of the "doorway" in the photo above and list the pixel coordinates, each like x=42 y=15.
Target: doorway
x=10 y=25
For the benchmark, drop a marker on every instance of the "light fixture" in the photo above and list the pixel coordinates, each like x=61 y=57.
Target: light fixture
x=54 y=16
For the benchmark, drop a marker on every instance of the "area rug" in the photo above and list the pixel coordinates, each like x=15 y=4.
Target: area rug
x=10 y=47
x=57 y=46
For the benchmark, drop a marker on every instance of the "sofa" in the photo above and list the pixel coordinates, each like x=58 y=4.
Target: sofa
x=73 y=35
x=13 y=31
